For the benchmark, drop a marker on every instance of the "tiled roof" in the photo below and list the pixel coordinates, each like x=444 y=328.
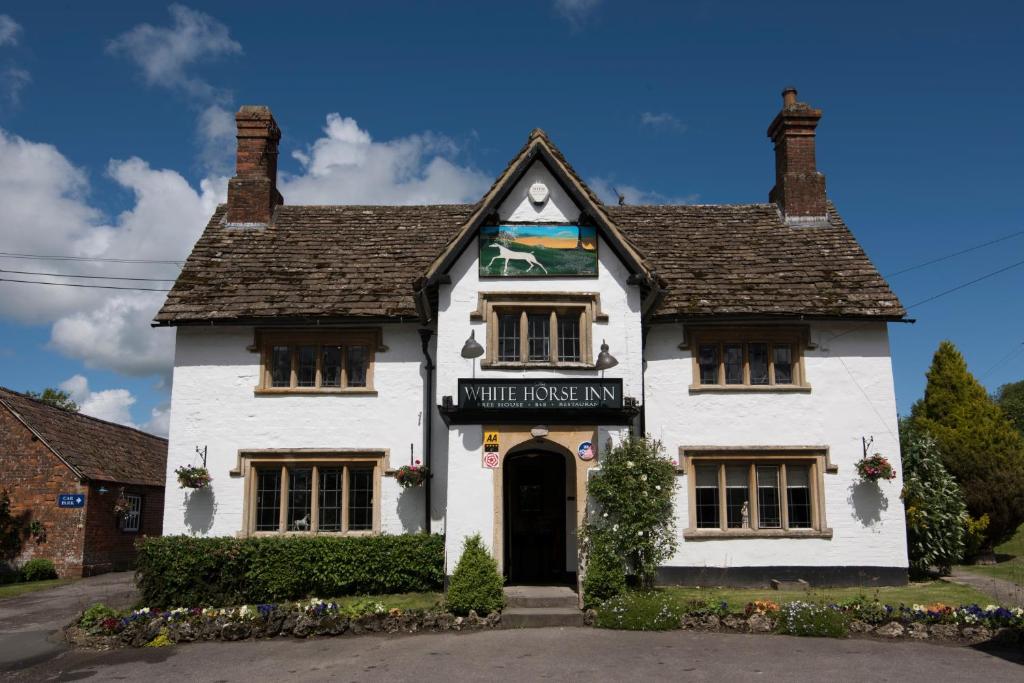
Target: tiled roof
x=95 y=449
x=744 y=260
x=361 y=261
x=313 y=262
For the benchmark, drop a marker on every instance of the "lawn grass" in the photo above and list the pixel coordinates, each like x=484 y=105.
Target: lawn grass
x=914 y=593
x=10 y=590
x=404 y=601
x=1010 y=566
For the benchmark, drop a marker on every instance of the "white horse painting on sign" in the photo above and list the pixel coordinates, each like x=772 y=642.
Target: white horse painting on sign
x=538 y=251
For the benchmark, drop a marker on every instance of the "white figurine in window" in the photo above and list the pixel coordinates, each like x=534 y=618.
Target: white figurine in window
x=745 y=515
x=302 y=524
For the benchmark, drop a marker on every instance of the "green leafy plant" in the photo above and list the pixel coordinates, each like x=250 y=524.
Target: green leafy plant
x=58 y=398
x=475 y=583
x=812 y=619
x=934 y=505
x=12 y=529
x=38 y=569
x=978 y=444
x=95 y=614
x=185 y=570
x=605 y=571
x=633 y=491
x=640 y=611
x=410 y=476
x=1010 y=398
x=974 y=535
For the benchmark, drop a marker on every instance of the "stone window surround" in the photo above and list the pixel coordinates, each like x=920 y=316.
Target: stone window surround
x=251 y=459
x=816 y=456
x=265 y=339
x=491 y=304
x=797 y=336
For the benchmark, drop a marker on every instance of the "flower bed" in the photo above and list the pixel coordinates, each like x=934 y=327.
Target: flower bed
x=102 y=629
x=967 y=624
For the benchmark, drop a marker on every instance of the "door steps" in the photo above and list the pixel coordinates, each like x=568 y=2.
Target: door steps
x=540 y=606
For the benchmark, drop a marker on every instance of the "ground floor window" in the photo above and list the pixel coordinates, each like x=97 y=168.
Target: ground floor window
x=131 y=519
x=743 y=495
x=335 y=496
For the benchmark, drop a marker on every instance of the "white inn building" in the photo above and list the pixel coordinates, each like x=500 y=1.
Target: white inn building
x=508 y=343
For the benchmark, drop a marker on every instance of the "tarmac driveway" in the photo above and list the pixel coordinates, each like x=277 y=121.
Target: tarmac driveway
x=560 y=654
x=31 y=625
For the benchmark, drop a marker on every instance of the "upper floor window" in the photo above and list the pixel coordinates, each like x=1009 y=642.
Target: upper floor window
x=748 y=358
x=538 y=329
x=329 y=361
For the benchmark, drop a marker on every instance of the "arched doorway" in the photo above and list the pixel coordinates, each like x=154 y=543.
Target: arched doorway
x=534 y=493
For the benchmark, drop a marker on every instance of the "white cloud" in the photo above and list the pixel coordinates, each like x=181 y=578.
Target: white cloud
x=606 y=190
x=662 y=120
x=12 y=80
x=346 y=166
x=9 y=30
x=576 y=11
x=166 y=54
x=114 y=405
x=217 y=135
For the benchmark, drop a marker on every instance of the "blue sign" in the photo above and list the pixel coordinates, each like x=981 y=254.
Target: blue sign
x=71 y=500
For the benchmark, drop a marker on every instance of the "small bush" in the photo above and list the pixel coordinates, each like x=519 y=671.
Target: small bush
x=974 y=536
x=640 y=611
x=176 y=571
x=38 y=569
x=810 y=619
x=96 y=614
x=476 y=583
x=606 y=575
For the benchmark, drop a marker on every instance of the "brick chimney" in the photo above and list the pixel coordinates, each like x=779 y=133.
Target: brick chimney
x=799 y=187
x=252 y=193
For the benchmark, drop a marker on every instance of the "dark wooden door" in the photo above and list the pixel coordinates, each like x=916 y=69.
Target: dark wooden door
x=535 y=518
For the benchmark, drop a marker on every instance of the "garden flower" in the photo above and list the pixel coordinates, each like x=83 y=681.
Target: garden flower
x=643 y=477
x=629 y=464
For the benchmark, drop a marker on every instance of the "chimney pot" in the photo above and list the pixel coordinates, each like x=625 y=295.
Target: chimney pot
x=252 y=193
x=799 y=188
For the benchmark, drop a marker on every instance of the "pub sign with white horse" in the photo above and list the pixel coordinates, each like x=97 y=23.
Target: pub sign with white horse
x=538 y=251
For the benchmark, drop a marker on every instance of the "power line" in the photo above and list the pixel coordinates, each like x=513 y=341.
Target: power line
x=7 y=254
x=75 y=284
x=967 y=284
x=89 y=277
x=957 y=253
x=1019 y=349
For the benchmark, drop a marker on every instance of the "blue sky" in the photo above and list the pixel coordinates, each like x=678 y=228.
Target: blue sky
x=114 y=143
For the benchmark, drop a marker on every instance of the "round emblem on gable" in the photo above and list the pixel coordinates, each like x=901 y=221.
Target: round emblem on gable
x=538 y=193
x=585 y=451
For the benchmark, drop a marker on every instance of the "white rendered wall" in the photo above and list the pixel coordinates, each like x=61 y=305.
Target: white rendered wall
x=851 y=396
x=213 y=405
x=470 y=487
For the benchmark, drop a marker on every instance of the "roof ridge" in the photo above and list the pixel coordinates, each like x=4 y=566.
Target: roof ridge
x=76 y=413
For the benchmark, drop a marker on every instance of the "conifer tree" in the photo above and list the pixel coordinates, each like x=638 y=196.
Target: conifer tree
x=978 y=444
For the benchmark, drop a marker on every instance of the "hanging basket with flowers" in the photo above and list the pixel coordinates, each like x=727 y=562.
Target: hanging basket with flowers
x=875 y=467
x=121 y=504
x=193 y=477
x=410 y=476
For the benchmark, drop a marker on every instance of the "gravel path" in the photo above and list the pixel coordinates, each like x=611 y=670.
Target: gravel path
x=1005 y=593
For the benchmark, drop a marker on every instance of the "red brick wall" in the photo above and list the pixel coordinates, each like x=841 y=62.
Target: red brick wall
x=107 y=547
x=33 y=477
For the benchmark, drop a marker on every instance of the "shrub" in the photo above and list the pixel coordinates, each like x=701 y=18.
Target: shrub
x=810 y=619
x=177 y=571
x=633 y=494
x=974 y=535
x=605 y=575
x=475 y=583
x=1010 y=398
x=96 y=614
x=640 y=611
x=934 y=505
x=978 y=444
x=38 y=569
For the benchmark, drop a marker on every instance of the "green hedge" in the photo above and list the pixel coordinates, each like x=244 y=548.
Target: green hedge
x=184 y=571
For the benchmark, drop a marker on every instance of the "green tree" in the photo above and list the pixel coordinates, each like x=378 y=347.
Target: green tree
x=977 y=443
x=934 y=504
x=1010 y=398
x=475 y=584
x=57 y=398
x=633 y=494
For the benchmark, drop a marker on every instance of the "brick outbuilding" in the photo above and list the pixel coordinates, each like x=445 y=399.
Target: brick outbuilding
x=46 y=453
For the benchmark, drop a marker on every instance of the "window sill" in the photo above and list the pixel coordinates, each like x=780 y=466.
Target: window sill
x=508 y=365
x=266 y=534
x=312 y=391
x=718 y=534
x=750 y=388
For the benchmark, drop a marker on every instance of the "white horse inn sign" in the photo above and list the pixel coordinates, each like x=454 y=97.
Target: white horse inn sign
x=509 y=343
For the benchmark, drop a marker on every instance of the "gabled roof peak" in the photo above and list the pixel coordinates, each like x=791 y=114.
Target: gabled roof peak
x=538 y=133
